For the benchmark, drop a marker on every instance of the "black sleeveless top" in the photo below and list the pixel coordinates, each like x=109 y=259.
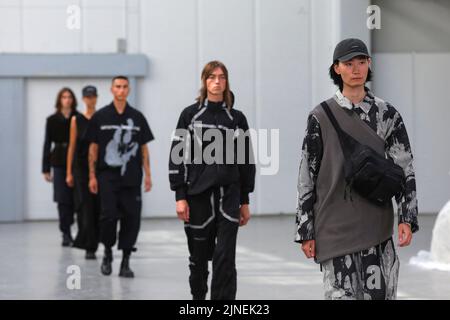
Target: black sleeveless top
x=82 y=146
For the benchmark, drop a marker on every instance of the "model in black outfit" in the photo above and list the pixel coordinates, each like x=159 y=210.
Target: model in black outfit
x=118 y=151
x=87 y=204
x=212 y=198
x=54 y=159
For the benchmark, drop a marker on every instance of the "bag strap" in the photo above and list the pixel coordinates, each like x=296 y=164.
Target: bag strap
x=346 y=141
x=360 y=122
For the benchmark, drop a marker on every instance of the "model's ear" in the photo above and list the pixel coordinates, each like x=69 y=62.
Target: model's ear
x=369 y=61
x=336 y=68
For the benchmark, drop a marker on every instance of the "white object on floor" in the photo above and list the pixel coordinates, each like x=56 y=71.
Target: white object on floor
x=439 y=257
x=440 y=242
x=425 y=260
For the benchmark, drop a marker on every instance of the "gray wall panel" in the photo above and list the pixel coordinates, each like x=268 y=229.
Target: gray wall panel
x=12 y=149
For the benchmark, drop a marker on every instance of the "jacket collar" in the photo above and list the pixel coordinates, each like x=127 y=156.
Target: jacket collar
x=127 y=107
x=224 y=105
x=365 y=105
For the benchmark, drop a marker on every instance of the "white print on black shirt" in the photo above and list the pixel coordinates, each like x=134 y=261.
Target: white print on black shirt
x=120 y=149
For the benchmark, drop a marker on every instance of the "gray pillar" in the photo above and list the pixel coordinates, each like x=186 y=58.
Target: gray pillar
x=132 y=98
x=12 y=157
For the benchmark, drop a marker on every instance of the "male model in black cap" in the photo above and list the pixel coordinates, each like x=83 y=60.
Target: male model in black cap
x=352 y=238
x=212 y=197
x=87 y=204
x=118 y=136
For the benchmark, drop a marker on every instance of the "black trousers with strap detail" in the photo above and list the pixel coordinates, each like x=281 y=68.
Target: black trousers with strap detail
x=211 y=234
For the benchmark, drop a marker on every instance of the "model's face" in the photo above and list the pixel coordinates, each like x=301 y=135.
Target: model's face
x=353 y=72
x=216 y=83
x=66 y=101
x=90 y=102
x=120 y=89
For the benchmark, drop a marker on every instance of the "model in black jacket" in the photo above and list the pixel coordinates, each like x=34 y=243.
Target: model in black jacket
x=57 y=130
x=212 y=172
x=194 y=178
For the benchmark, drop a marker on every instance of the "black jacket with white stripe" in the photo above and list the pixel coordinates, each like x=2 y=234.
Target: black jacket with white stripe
x=190 y=169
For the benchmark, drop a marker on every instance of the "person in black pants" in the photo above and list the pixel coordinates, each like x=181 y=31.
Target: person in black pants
x=212 y=191
x=87 y=204
x=54 y=157
x=118 y=136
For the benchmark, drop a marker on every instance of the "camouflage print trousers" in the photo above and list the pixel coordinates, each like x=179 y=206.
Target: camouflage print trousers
x=370 y=274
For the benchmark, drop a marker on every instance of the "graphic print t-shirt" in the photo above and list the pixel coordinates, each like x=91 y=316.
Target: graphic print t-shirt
x=119 y=138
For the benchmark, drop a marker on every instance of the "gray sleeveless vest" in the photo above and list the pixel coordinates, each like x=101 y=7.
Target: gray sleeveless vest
x=344 y=226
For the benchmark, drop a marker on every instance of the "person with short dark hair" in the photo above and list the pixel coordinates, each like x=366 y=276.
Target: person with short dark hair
x=348 y=233
x=54 y=158
x=118 y=136
x=120 y=77
x=87 y=204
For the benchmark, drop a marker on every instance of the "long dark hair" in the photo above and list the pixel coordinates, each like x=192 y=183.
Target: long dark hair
x=58 y=105
x=207 y=71
x=337 y=79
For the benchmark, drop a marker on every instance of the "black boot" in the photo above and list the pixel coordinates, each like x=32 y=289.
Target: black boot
x=67 y=240
x=90 y=255
x=125 y=270
x=106 y=267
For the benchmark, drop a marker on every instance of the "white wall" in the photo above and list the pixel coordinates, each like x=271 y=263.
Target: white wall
x=40 y=26
x=415 y=84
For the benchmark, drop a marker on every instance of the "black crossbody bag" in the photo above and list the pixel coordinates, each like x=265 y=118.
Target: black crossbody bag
x=370 y=174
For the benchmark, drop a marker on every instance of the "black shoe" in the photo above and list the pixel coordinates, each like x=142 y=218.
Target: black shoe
x=106 y=267
x=125 y=270
x=90 y=255
x=67 y=240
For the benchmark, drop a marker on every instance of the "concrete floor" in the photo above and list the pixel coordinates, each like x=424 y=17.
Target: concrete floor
x=270 y=265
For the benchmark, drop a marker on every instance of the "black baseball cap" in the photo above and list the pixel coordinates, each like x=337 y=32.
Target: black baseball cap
x=349 y=48
x=89 y=91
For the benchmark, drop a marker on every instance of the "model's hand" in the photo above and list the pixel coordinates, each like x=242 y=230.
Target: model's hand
x=147 y=183
x=183 y=210
x=48 y=177
x=69 y=180
x=309 y=248
x=93 y=186
x=245 y=214
x=404 y=234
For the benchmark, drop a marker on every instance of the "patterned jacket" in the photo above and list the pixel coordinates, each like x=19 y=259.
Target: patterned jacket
x=386 y=121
